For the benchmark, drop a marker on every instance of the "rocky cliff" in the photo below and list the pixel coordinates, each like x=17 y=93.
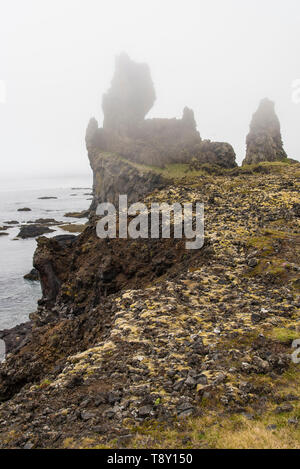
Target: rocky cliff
x=113 y=176
x=143 y=343
x=152 y=142
x=264 y=142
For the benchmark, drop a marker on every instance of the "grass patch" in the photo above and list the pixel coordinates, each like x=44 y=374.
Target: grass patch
x=73 y=228
x=284 y=335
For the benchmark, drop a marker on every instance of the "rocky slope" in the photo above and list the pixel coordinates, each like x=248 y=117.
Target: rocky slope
x=142 y=343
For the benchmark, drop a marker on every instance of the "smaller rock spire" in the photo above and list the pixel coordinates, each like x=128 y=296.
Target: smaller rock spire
x=264 y=141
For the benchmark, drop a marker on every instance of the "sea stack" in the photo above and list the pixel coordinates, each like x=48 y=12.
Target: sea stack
x=128 y=133
x=264 y=142
x=130 y=97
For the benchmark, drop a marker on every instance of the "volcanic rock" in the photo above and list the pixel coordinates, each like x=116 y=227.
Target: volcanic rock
x=32 y=231
x=130 y=97
x=264 y=141
x=33 y=275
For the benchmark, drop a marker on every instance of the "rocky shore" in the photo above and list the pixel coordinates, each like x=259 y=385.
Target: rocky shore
x=132 y=336
x=141 y=342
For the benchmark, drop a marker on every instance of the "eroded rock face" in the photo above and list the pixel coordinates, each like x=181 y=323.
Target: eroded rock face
x=152 y=142
x=264 y=141
x=52 y=268
x=155 y=141
x=114 y=176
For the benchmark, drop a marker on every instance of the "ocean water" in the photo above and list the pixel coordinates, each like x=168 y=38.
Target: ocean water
x=18 y=297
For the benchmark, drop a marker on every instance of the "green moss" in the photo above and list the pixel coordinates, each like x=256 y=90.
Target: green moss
x=284 y=335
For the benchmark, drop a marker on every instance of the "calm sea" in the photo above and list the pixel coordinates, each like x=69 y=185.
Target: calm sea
x=18 y=297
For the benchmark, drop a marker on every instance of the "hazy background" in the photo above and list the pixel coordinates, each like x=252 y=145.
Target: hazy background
x=219 y=57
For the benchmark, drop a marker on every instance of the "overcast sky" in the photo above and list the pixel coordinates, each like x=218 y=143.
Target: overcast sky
x=219 y=57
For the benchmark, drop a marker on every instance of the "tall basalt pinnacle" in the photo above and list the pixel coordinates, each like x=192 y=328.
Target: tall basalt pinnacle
x=130 y=97
x=264 y=141
x=127 y=133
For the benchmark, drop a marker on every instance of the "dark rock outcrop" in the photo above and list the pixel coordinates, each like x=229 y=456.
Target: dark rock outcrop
x=25 y=209
x=33 y=276
x=53 y=268
x=114 y=176
x=17 y=337
x=64 y=266
x=152 y=142
x=264 y=141
x=32 y=231
x=83 y=214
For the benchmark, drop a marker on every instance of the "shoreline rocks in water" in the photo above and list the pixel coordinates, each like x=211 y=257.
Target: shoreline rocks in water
x=25 y=209
x=47 y=198
x=32 y=231
x=83 y=214
x=33 y=275
x=46 y=221
x=2 y=233
x=12 y=222
x=73 y=228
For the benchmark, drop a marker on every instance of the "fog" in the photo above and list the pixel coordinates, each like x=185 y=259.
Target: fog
x=219 y=57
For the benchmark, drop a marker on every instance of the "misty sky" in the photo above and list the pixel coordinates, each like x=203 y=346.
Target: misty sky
x=219 y=57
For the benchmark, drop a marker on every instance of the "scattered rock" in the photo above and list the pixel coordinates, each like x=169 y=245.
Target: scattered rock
x=32 y=231
x=145 y=411
x=87 y=415
x=252 y=262
x=45 y=221
x=284 y=408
